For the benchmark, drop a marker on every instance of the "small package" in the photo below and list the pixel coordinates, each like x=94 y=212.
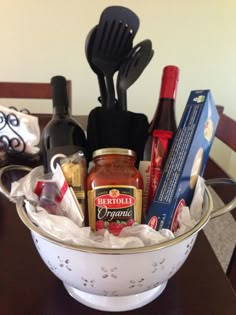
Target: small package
x=57 y=198
x=186 y=161
x=75 y=172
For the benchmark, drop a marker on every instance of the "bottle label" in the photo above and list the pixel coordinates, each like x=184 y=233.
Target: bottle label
x=54 y=155
x=114 y=207
x=152 y=170
x=160 y=148
x=75 y=174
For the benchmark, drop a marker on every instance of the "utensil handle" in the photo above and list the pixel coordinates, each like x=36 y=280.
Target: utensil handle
x=122 y=99
x=229 y=206
x=121 y=93
x=102 y=89
x=110 y=104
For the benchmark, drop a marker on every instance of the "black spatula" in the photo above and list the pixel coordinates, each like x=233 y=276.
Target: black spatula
x=88 y=52
x=131 y=69
x=113 y=40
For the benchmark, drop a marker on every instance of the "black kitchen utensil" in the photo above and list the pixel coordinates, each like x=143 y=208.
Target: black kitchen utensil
x=113 y=40
x=89 y=42
x=131 y=69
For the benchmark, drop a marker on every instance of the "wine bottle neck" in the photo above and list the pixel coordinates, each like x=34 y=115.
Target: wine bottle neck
x=169 y=82
x=164 y=117
x=60 y=98
x=61 y=111
x=168 y=88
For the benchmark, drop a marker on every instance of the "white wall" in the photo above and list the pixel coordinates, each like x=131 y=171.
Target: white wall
x=42 y=38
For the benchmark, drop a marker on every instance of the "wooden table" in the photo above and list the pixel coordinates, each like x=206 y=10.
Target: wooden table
x=28 y=287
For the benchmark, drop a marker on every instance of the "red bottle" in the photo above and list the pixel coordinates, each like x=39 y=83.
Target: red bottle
x=164 y=121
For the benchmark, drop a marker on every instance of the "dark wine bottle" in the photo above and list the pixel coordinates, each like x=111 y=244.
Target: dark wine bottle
x=161 y=130
x=63 y=135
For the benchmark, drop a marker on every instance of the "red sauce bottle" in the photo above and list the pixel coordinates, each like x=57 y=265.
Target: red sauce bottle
x=114 y=188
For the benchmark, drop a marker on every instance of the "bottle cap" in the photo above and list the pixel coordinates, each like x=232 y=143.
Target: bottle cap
x=50 y=191
x=170 y=78
x=59 y=94
x=58 y=80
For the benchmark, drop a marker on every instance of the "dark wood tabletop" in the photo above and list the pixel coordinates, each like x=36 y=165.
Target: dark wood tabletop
x=27 y=286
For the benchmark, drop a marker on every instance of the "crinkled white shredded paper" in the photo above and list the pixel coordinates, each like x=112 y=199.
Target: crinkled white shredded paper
x=64 y=228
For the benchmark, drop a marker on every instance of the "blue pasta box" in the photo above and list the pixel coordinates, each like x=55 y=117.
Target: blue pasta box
x=186 y=160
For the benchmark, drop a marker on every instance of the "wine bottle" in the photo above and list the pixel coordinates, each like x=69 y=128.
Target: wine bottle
x=63 y=135
x=161 y=130
x=164 y=117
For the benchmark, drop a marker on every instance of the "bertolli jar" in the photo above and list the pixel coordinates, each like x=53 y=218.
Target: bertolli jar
x=114 y=188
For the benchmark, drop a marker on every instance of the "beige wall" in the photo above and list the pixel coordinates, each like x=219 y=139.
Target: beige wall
x=42 y=38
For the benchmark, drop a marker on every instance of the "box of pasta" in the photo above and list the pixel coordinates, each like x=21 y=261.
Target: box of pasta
x=186 y=160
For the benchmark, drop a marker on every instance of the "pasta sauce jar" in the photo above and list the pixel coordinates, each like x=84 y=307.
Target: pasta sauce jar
x=114 y=188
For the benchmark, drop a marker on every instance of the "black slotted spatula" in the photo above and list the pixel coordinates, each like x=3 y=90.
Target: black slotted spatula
x=113 y=41
x=88 y=50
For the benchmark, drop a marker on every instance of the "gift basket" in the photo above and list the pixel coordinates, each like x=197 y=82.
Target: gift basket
x=112 y=279
x=115 y=211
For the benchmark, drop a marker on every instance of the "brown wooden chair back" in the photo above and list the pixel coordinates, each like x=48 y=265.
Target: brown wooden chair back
x=29 y=90
x=226 y=129
x=225 y=132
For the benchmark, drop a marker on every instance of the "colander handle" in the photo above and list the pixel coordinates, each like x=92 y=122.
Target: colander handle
x=5 y=169
x=229 y=206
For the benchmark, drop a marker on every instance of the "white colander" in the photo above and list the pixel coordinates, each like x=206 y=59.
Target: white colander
x=114 y=279
x=118 y=279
